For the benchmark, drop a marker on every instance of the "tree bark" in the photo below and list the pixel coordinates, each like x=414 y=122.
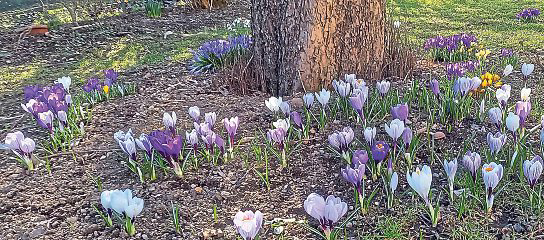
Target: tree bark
x=308 y=43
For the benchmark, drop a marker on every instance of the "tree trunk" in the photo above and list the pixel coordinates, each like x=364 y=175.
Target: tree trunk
x=308 y=43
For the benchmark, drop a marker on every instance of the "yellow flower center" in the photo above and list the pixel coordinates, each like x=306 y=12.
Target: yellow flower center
x=489 y=169
x=380 y=146
x=418 y=172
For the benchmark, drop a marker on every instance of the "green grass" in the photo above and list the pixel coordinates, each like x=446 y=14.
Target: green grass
x=493 y=22
x=123 y=54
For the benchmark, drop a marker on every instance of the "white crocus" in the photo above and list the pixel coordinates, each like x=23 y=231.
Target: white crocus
x=370 y=134
x=210 y=118
x=502 y=96
x=527 y=69
x=285 y=108
x=273 y=104
x=134 y=207
x=525 y=92
x=507 y=70
x=512 y=122
x=13 y=140
x=395 y=129
x=308 y=100
x=282 y=123
x=326 y=211
x=169 y=121
x=420 y=181
x=323 y=97
x=66 y=82
x=194 y=112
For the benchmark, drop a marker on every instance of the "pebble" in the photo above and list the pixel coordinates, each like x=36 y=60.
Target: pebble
x=37 y=232
x=518 y=227
x=278 y=230
x=144 y=237
x=91 y=229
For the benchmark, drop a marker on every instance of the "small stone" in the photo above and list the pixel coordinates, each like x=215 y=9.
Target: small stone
x=71 y=219
x=144 y=237
x=91 y=229
x=37 y=232
x=439 y=135
x=198 y=189
x=518 y=227
x=218 y=197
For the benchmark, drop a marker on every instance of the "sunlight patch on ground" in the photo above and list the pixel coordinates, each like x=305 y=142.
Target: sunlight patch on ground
x=13 y=77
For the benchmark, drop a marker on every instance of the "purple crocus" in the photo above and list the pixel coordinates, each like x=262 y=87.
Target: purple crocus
x=46 y=120
x=400 y=112
x=360 y=157
x=523 y=109
x=435 y=87
x=472 y=161
x=32 y=92
x=209 y=138
x=341 y=140
x=407 y=137
x=358 y=99
x=111 y=77
x=297 y=119
x=169 y=146
x=380 y=150
x=277 y=136
x=92 y=84
x=355 y=176
x=231 y=125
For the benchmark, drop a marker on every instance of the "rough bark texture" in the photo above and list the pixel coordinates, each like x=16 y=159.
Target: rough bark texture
x=308 y=43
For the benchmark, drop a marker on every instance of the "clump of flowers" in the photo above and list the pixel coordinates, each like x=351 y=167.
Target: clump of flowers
x=340 y=141
x=490 y=79
x=460 y=69
x=23 y=148
x=123 y=204
x=452 y=48
x=99 y=90
x=216 y=54
x=528 y=14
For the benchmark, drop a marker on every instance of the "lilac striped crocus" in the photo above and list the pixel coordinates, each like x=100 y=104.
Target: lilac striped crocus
x=127 y=143
x=435 y=87
x=22 y=147
x=357 y=101
x=297 y=119
x=194 y=112
x=496 y=142
x=523 y=109
x=210 y=118
x=407 y=136
x=277 y=137
x=472 y=161
x=192 y=139
x=46 y=120
x=340 y=141
x=359 y=157
x=532 y=169
x=495 y=115
x=169 y=122
x=232 y=126
x=355 y=177
x=144 y=144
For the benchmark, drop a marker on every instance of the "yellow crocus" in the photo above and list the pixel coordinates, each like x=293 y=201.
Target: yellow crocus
x=106 y=89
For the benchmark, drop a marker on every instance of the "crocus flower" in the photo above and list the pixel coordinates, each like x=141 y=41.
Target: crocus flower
x=124 y=203
x=342 y=88
x=472 y=161
x=523 y=109
x=111 y=76
x=370 y=134
x=168 y=146
x=323 y=97
x=464 y=85
x=496 y=142
x=248 y=224
x=527 y=69
x=482 y=108
x=492 y=174
x=169 y=121
x=502 y=96
x=507 y=70
x=380 y=150
x=532 y=170
x=420 y=181
x=360 y=157
x=350 y=78
x=400 y=111
x=475 y=83
x=407 y=137
x=359 y=84
x=435 y=87
x=282 y=123
x=355 y=176
x=126 y=142
x=105 y=200
x=273 y=104
x=495 y=115
x=285 y=108
x=451 y=169
x=144 y=144
x=395 y=129
x=341 y=140
x=68 y=99
x=210 y=118
x=326 y=211
x=232 y=126
x=209 y=139
x=194 y=112
x=383 y=87
x=192 y=139
x=277 y=136
x=66 y=82
x=525 y=92
x=46 y=118
x=394 y=182
x=63 y=119
x=358 y=100
x=297 y=119
x=13 y=140
x=512 y=122
x=308 y=100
